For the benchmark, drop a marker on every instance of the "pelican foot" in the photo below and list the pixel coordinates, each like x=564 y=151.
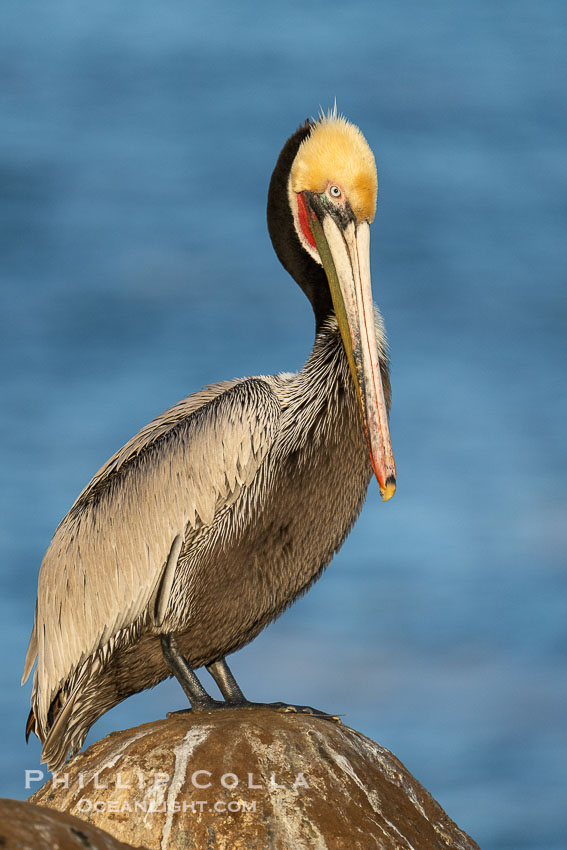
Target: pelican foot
x=283 y=707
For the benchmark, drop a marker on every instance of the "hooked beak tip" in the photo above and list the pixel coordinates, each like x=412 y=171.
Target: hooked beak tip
x=389 y=489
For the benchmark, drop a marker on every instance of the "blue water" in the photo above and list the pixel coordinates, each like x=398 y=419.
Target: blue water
x=136 y=145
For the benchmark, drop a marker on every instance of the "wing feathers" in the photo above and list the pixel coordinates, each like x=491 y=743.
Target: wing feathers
x=108 y=555
x=32 y=651
x=166 y=582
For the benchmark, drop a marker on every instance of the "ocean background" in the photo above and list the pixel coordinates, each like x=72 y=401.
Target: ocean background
x=136 y=146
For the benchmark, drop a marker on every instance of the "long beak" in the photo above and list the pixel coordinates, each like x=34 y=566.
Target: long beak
x=345 y=253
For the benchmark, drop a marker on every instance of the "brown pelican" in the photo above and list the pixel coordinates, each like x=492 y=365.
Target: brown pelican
x=213 y=519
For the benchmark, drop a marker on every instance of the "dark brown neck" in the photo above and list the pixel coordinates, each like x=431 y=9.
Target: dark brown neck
x=291 y=254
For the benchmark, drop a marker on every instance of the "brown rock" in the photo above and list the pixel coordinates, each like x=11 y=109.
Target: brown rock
x=25 y=826
x=254 y=779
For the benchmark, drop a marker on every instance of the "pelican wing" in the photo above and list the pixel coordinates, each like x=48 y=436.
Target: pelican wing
x=108 y=555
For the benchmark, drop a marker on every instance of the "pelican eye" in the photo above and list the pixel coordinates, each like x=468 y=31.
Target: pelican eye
x=334 y=191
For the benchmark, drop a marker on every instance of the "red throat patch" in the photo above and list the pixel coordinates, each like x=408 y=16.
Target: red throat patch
x=304 y=219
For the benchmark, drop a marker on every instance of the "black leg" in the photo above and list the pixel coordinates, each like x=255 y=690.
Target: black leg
x=228 y=686
x=234 y=698
x=194 y=691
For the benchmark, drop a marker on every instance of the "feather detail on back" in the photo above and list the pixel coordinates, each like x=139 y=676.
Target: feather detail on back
x=106 y=565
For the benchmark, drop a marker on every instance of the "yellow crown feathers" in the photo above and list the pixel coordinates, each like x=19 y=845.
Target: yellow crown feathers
x=336 y=151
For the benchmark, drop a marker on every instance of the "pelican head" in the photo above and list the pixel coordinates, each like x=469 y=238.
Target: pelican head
x=328 y=174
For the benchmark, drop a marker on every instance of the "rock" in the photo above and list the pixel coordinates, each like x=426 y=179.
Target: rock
x=25 y=826
x=255 y=779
